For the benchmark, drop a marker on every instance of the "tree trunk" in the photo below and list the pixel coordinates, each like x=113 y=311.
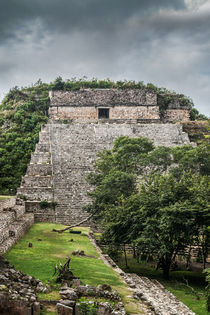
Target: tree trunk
x=166 y=264
x=71 y=226
x=125 y=255
x=134 y=252
x=166 y=269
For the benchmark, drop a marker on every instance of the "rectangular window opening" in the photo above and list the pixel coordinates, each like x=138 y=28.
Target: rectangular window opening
x=103 y=113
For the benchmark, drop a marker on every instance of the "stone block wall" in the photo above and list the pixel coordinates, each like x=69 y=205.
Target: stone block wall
x=103 y=97
x=171 y=115
x=13 y=223
x=122 y=104
x=129 y=104
x=74 y=113
x=72 y=150
x=90 y=114
x=46 y=214
x=135 y=112
x=7 y=203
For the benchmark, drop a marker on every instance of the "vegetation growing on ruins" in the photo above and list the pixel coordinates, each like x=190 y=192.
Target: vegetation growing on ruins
x=24 y=110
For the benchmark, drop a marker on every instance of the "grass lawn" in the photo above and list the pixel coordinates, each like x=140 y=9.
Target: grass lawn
x=50 y=248
x=176 y=283
x=4 y=197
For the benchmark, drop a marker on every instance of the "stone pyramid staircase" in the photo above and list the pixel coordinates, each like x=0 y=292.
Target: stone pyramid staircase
x=64 y=157
x=37 y=184
x=14 y=222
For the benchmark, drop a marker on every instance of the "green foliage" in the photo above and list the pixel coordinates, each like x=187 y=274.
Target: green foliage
x=23 y=115
x=207 y=273
x=195 y=115
x=154 y=198
x=86 y=308
x=44 y=204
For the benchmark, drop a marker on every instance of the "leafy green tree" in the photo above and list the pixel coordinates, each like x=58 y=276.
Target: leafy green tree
x=154 y=198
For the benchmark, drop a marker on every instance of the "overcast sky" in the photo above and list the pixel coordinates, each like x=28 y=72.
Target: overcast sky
x=166 y=42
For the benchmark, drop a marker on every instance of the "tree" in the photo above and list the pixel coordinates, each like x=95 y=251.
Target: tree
x=171 y=215
x=155 y=198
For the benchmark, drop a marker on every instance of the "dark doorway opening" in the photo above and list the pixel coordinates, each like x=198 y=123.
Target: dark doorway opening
x=103 y=113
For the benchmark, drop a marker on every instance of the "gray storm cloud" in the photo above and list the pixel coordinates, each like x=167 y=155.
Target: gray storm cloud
x=68 y=15
x=164 y=42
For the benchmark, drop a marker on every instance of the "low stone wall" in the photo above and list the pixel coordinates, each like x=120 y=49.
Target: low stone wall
x=7 y=203
x=13 y=223
x=46 y=214
x=176 y=115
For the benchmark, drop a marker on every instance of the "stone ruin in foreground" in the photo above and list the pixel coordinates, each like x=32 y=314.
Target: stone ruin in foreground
x=81 y=124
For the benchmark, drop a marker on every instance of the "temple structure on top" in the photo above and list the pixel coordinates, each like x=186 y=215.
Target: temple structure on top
x=140 y=105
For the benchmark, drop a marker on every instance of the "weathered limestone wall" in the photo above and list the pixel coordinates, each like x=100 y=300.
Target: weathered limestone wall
x=69 y=158
x=140 y=104
x=7 y=203
x=90 y=114
x=74 y=113
x=176 y=115
x=135 y=112
x=103 y=97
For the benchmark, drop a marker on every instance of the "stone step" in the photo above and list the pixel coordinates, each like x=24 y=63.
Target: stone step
x=39 y=169
x=36 y=193
x=41 y=158
x=43 y=147
x=7 y=217
x=37 y=181
x=15 y=231
x=19 y=211
x=7 y=203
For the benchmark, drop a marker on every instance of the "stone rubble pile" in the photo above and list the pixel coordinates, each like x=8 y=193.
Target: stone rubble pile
x=69 y=303
x=18 y=292
x=153 y=293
